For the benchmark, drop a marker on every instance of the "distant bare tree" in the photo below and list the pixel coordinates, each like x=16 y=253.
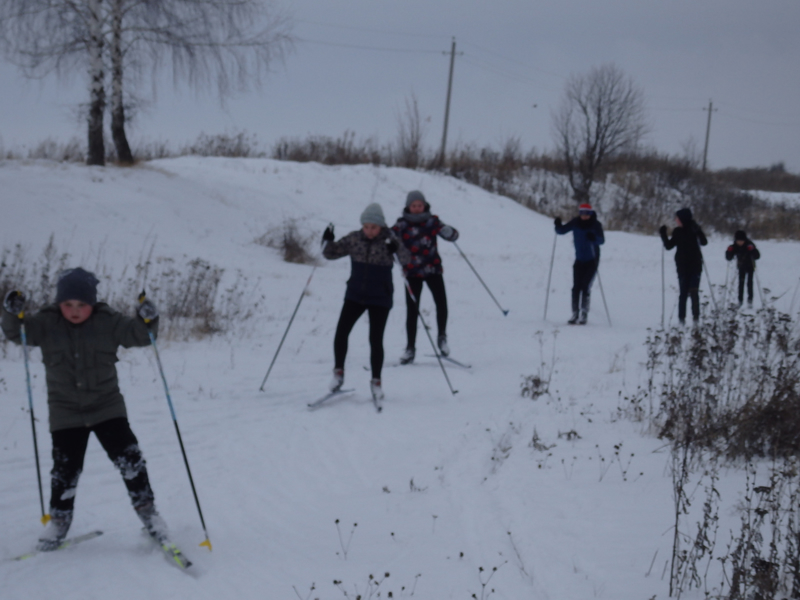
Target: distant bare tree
x=410 y=133
x=602 y=114
x=229 y=44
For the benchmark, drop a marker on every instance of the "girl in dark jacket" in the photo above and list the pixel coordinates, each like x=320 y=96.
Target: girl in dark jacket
x=418 y=229
x=687 y=237
x=369 y=288
x=587 y=234
x=79 y=338
x=746 y=255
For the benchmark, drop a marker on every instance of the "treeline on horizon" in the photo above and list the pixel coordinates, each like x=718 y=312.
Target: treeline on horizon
x=635 y=192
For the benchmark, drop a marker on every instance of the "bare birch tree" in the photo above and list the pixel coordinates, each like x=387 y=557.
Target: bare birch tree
x=602 y=114
x=225 y=44
x=410 y=133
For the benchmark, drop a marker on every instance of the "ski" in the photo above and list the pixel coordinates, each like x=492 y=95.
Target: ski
x=170 y=550
x=319 y=402
x=67 y=543
x=451 y=360
x=174 y=554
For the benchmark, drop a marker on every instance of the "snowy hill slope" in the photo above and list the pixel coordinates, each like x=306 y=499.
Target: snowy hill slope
x=439 y=485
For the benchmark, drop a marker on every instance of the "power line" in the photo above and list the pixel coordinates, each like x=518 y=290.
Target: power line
x=369 y=30
x=362 y=47
x=730 y=116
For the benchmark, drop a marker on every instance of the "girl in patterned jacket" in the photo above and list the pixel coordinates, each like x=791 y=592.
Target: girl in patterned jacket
x=417 y=229
x=369 y=289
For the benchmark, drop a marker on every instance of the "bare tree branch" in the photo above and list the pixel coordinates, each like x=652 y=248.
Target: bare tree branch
x=602 y=115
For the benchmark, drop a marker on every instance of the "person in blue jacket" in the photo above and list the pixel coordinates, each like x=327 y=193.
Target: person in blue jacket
x=587 y=233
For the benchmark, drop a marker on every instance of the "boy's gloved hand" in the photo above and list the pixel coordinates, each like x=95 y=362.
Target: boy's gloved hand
x=147 y=311
x=447 y=231
x=392 y=245
x=557 y=222
x=662 y=230
x=14 y=302
x=327 y=236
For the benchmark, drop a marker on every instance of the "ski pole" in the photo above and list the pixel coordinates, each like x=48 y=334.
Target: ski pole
x=758 y=282
x=504 y=311
x=285 y=333
x=425 y=327
x=45 y=516
x=663 y=287
x=596 y=259
x=207 y=541
x=549 y=275
x=710 y=286
x=603 y=295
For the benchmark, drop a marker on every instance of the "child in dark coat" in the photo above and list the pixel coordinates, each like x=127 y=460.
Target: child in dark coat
x=369 y=289
x=418 y=230
x=79 y=338
x=687 y=237
x=746 y=255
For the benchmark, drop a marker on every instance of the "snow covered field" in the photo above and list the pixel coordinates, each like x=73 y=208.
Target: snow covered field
x=440 y=486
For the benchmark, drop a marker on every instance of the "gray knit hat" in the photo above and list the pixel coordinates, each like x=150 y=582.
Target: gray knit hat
x=416 y=195
x=373 y=214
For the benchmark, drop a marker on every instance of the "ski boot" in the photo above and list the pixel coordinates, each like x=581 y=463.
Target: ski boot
x=376 y=389
x=574 y=318
x=408 y=356
x=583 y=318
x=444 y=349
x=152 y=521
x=585 y=303
x=56 y=530
x=337 y=381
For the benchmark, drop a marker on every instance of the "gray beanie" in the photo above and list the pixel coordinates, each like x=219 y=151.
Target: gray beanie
x=373 y=214
x=416 y=195
x=77 y=284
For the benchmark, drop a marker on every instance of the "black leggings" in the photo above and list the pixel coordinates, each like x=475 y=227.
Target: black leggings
x=436 y=286
x=378 y=316
x=583 y=272
x=689 y=286
x=742 y=276
x=117 y=439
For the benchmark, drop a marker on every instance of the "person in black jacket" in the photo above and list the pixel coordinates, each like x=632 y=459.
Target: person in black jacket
x=687 y=237
x=587 y=234
x=369 y=288
x=746 y=255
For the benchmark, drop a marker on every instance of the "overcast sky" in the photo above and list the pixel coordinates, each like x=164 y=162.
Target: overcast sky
x=357 y=61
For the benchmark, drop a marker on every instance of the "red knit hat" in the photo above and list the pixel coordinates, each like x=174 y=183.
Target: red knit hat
x=585 y=207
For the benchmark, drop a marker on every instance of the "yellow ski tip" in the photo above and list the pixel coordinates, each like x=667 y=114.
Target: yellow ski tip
x=45 y=519
x=207 y=544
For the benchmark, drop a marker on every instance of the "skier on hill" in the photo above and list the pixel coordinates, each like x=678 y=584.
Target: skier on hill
x=369 y=288
x=746 y=255
x=687 y=237
x=79 y=338
x=587 y=234
x=417 y=228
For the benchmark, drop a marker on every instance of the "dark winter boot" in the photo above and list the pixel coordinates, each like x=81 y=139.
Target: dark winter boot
x=56 y=530
x=585 y=302
x=408 y=356
x=152 y=521
x=575 y=302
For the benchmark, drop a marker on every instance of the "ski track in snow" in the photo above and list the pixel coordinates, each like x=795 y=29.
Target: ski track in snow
x=439 y=485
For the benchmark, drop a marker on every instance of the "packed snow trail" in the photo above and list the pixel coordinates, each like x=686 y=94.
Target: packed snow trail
x=439 y=485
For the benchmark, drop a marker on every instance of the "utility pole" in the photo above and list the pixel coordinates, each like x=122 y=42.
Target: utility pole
x=710 y=109
x=447 y=104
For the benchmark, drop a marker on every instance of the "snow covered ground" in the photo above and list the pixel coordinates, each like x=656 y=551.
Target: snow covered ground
x=440 y=486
